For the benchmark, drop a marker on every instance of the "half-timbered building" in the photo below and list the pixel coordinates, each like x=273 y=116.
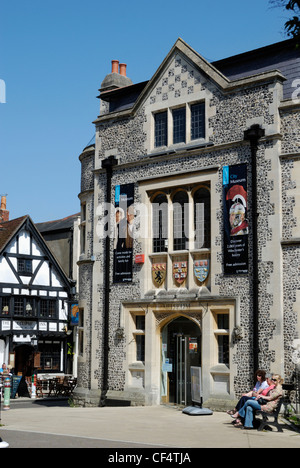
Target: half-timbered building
x=34 y=301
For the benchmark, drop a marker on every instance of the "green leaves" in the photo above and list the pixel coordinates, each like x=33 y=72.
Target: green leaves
x=292 y=26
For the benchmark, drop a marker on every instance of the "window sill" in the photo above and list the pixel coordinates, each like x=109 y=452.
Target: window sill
x=173 y=253
x=179 y=147
x=199 y=251
x=220 y=369
x=137 y=366
x=158 y=254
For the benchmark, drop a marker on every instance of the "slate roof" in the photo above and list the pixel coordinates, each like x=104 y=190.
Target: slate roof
x=123 y=98
x=57 y=225
x=282 y=56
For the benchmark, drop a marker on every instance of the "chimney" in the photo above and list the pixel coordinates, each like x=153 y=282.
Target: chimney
x=117 y=78
x=115 y=66
x=4 y=214
x=123 y=69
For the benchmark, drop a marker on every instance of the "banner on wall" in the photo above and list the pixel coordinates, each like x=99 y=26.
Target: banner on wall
x=74 y=314
x=124 y=231
x=235 y=212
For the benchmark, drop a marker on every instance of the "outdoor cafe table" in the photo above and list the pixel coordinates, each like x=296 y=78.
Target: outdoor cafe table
x=56 y=386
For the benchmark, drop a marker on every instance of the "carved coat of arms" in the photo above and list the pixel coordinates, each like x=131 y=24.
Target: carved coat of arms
x=201 y=269
x=159 y=272
x=179 y=271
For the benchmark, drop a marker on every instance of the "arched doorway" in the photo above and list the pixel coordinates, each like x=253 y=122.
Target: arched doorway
x=181 y=349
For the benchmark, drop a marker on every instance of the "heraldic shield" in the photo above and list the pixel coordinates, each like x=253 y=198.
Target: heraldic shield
x=159 y=272
x=179 y=271
x=201 y=269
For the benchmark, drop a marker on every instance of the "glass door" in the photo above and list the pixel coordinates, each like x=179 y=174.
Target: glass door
x=182 y=347
x=181 y=369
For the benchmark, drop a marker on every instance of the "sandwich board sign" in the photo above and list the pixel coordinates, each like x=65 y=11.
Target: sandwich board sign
x=196 y=389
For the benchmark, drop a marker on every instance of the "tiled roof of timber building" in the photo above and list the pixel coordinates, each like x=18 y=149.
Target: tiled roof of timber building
x=8 y=229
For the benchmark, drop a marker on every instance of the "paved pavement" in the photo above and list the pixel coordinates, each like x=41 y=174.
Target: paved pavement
x=44 y=424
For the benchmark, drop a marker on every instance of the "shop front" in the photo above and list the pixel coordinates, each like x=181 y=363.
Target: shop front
x=46 y=355
x=33 y=355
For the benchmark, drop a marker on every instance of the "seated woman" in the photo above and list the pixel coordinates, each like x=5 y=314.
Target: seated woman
x=261 y=385
x=245 y=416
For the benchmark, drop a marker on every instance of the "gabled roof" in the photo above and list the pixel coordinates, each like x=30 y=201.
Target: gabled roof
x=266 y=64
x=9 y=229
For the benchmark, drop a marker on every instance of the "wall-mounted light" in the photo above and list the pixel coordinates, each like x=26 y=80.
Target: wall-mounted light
x=120 y=333
x=66 y=330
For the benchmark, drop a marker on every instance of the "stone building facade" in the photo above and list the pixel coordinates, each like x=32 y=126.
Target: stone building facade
x=199 y=148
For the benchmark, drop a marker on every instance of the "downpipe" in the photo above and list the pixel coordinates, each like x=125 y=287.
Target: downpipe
x=108 y=165
x=253 y=135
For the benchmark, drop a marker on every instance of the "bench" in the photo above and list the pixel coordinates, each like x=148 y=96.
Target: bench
x=266 y=421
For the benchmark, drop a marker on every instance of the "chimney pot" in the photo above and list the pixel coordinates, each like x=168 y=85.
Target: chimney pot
x=3 y=203
x=123 y=69
x=4 y=213
x=115 y=66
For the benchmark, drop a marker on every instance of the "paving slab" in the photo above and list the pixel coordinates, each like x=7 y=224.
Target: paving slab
x=157 y=426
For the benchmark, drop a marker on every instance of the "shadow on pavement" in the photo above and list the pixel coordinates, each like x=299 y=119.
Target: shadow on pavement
x=43 y=402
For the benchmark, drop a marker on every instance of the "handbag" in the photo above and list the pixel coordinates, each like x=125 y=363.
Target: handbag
x=262 y=401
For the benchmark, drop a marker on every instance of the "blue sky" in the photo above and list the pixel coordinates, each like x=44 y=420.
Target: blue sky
x=53 y=58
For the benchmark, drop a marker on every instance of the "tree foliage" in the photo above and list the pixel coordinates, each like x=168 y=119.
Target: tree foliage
x=292 y=26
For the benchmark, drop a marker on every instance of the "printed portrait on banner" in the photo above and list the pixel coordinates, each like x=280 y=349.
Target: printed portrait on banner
x=123 y=233
x=235 y=211
x=74 y=314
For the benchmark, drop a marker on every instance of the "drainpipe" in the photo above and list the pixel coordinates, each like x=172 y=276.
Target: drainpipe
x=253 y=134
x=108 y=165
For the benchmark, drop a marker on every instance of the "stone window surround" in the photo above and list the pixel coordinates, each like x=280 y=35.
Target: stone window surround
x=148 y=189
x=188 y=122
x=170 y=193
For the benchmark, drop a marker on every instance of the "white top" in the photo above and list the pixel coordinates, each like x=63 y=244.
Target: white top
x=260 y=386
